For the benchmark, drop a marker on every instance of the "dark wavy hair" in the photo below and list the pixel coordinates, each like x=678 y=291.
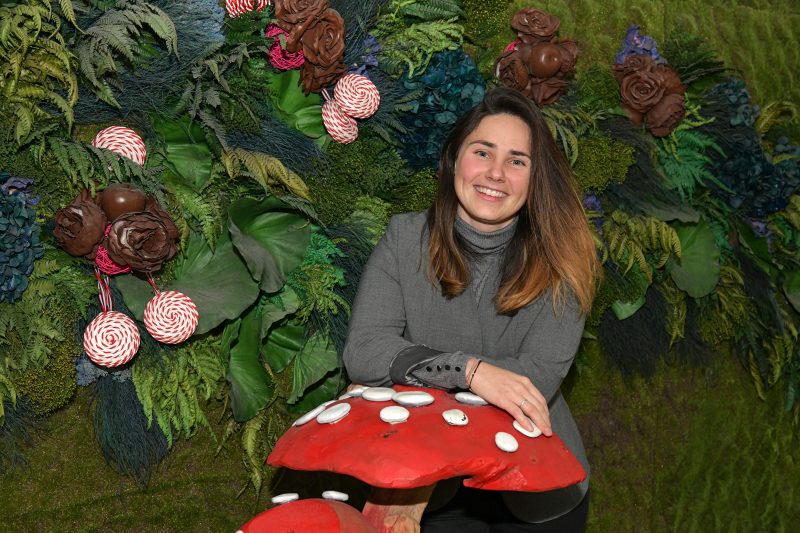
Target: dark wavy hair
x=552 y=247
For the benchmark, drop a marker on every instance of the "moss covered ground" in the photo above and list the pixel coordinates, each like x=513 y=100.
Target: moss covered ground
x=689 y=450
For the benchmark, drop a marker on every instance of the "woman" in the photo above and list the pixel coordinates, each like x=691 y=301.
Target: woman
x=487 y=291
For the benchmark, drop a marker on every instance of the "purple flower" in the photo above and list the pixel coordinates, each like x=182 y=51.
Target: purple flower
x=636 y=43
x=369 y=58
x=592 y=203
x=19 y=185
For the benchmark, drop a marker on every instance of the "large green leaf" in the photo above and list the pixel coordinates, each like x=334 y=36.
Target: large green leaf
x=185 y=153
x=697 y=271
x=283 y=344
x=300 y=111
x=791 y=287
x=623 y=310
x=317 y=358
x=270 y=237
x=322 y=391
x=282 y=305
x=136 y=292
x=218 y=282
x=251 y=386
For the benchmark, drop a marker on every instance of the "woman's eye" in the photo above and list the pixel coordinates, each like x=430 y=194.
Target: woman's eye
x=518 y=162
x=481 y=153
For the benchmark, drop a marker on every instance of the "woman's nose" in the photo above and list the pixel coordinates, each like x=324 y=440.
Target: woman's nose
x=495 y=171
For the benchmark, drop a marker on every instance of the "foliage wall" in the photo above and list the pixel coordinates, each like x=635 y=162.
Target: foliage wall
x=698 y=229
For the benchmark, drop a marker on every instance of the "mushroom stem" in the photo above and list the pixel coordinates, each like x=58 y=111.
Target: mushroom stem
x=397 y=510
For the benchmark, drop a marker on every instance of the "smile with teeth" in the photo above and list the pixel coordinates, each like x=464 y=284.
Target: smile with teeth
x=490 y=192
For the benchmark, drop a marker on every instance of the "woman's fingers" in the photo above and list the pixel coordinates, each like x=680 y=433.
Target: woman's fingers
x=539 y=415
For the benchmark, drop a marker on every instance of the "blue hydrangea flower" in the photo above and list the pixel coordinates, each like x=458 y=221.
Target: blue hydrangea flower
x=369 y=59
x=636 y=43
x=20 y=239
x=449 y=87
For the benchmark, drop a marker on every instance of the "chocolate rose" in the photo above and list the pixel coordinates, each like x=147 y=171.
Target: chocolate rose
x=323 y=43
x=641 y=90
x=80 y=226
x=534 y=26
x=633 y=63
x=511 y=70
x=666 y=114
x=669 y=79
x=569 y=56
x=154 y=207
x=545 y=91
x=141 y=240
x=296 y=16
x=315 y=78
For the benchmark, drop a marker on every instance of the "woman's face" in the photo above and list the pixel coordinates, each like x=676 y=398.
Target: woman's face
x=492 y=172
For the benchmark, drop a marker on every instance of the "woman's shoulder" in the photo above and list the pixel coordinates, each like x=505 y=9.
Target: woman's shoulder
x=408 y=222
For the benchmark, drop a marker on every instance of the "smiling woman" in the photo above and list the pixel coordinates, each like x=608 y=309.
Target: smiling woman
x=487 y=291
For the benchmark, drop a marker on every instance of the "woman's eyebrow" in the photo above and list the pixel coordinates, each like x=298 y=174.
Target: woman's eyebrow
x=493 y=145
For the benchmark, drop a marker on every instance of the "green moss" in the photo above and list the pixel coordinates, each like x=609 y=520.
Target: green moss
x=488 y=27
x=369 y=166
x=51 y=386
x=597 y=89
x=601 y=160
x=416 y=195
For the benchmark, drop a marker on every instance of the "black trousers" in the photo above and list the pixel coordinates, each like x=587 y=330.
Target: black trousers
x=483 y=511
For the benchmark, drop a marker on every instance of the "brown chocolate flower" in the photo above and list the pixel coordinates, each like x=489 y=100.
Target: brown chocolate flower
x=641 y=90
x=314 y=78
x=141 y=240
x=669 y=79
x=80 y=226
x=534 y=26
x=295 y=16
x=323 y=43
x=633 y=63
x=511 y=70
x=545 y=91
x=666 y=114
x=120 y=198
x=569 y=56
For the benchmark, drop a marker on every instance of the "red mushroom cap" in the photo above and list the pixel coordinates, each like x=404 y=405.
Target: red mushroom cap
x=425 y=449
x=310 y=516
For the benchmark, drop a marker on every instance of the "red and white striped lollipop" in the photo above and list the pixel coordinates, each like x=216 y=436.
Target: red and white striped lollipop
x=111 y=339
x=170 y=317
x=237 y=8
x=123 y=141
x=357 y=96
x=342 y=128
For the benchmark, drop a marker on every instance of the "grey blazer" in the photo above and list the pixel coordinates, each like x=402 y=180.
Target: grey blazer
x=397 y=308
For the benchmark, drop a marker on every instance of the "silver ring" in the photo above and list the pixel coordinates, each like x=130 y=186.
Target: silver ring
x=522 y=403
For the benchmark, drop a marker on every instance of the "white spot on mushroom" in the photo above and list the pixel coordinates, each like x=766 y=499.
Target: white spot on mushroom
x=285 y=498
x=506 y=442
x=309 y=416
x=455 y=417
x=335 y=495
x=535 y=433
x=333 y=414
x=470 y=399
x=356 y=392
x=394 y=414
x=378 y=394
x=413 y=398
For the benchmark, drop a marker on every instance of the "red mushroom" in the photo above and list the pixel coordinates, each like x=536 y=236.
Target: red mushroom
x=418 y=453
x=310 y=516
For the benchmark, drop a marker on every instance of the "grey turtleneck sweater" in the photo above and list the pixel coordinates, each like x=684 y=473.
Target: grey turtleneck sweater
x=402 y=330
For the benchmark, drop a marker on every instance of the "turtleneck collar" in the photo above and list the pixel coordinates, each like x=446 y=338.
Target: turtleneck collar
x=481 y=242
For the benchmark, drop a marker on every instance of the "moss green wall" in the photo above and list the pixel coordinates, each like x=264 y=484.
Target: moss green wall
x=759 y=38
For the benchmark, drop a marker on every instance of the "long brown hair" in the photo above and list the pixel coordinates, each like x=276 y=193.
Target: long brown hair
x=552 y=246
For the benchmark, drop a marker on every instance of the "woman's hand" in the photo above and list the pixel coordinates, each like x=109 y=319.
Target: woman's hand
x=511 y=392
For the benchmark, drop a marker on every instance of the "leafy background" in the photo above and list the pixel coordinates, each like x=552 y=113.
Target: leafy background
x=687 y=384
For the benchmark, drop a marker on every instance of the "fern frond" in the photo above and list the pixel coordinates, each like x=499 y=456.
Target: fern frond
x=643 y=241
x=269 y=171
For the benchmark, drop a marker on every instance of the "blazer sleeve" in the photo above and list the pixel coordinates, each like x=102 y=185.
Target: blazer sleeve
x=378 y=317
x=548 y=348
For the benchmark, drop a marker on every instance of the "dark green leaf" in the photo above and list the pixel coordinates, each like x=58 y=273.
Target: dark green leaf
x=271 y=239
x=185 y=153
x=697 y=271
x=317 y=358
x=791 y=287
x=322 y=391
x=136 y=293
x=624 y=310
x=283 y=344
x=218 y=282
x=251 y=386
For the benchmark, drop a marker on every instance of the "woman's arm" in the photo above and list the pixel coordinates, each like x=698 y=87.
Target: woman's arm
x=535 y=374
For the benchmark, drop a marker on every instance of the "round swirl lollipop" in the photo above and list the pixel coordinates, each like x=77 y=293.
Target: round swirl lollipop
x=123 y=141
x=170 y=317
x=357 y=96
x=342 y=128
x=111 y=339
